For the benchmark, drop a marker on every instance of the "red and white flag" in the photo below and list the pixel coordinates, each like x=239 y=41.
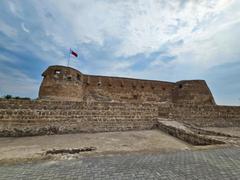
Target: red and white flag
x=73 y=53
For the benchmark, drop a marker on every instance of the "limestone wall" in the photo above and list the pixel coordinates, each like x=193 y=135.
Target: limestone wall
x=21 y=118
x=98 y=88
x=62 y=84
x=65 y=83
x=192 y=92
x=24 y=117
x=207 y=116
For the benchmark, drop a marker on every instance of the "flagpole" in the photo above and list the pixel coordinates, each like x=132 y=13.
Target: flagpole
x=69 y=57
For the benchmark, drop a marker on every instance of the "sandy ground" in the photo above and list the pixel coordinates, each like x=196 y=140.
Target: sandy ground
x=33 y=147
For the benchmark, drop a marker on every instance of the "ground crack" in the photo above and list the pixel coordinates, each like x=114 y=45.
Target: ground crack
x=70 y=151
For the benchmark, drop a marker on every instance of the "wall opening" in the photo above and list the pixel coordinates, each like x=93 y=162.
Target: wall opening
x=78 y=77
x=135 y=96
x=57 y=72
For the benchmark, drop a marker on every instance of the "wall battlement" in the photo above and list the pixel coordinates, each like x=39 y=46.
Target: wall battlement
x=65 y=83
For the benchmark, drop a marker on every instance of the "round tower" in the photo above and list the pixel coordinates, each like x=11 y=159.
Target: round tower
x=61 y=83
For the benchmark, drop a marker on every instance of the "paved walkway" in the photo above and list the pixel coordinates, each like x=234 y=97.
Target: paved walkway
x=206 y=164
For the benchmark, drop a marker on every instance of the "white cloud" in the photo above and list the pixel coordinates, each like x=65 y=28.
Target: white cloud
x=17 y=7
x=152 y=24
x=13 y=8
x=23 y=85
x=7 y=29
x=142 y=26
x=73 y=21
x=24 y=28
x=4 y=58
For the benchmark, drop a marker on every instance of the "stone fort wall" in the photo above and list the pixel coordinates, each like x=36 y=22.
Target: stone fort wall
x=207 y=116
x=71 y=102
x=27 y=118
x=65 y=83
x=21 y=118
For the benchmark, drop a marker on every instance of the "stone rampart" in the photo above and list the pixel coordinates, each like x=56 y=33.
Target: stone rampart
x=207 y=116
x=68 y=84
x=24 y=118
x=27 y=118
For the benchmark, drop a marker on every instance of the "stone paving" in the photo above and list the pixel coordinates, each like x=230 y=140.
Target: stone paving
x=216 y=164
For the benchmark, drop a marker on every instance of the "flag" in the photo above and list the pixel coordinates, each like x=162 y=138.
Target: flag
x=73 y=53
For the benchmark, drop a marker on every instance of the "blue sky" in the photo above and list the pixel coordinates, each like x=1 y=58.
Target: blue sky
x=166 y=40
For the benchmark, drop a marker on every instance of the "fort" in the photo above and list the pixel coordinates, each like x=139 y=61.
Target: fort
x=65 y=83
x=72 y=102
